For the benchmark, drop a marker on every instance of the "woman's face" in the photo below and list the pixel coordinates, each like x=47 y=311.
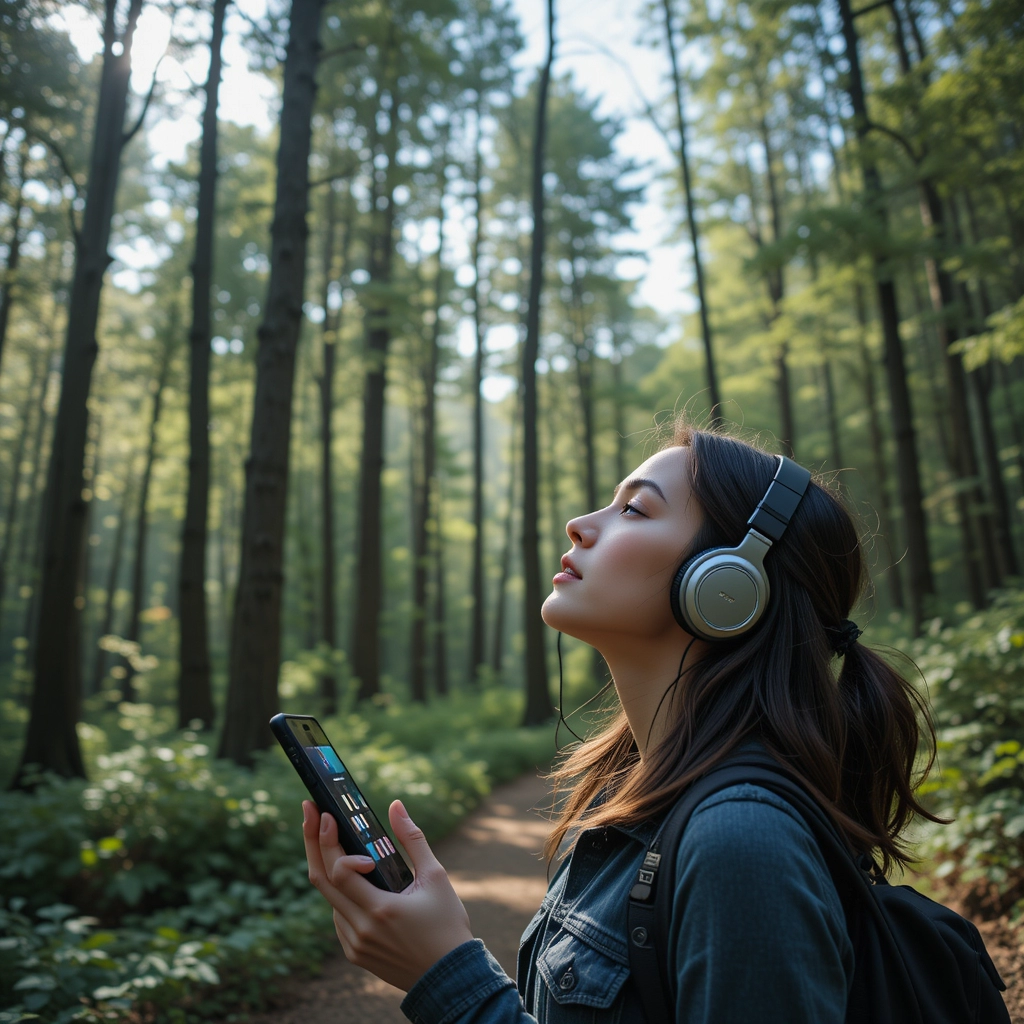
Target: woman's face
x=615 y=579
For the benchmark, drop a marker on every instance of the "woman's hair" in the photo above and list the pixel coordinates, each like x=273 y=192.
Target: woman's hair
x=851 y=739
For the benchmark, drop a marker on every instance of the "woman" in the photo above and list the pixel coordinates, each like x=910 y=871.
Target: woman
x=758 y=932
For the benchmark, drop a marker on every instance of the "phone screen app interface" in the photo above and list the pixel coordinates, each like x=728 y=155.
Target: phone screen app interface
x=363 y=821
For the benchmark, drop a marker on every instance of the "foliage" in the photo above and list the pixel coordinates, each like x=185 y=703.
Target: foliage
x=975 y=678
x=177 y=880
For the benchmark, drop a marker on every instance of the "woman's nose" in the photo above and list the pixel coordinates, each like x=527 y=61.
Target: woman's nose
x=581 y=530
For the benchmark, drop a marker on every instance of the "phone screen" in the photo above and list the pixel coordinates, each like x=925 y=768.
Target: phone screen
x=364 y=823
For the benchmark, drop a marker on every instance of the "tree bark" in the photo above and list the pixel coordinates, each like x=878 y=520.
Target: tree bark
x=921 y=582
x=965 y=466
x=885 y=519
x=477 y=656
x=99 y=668
x=831 y=414
x=691 y=218
x=256 y=622
x=332 y=325
x=37 y=380
x=51 y=740
x=9 y=278
x=138 y=577
x=583 y=357
x=538 y=698
x=425 y=497
x=369 y=567
x=440 y=623
x=618 y=408
x=30 y=534
x=195 y=695
x=508 y=544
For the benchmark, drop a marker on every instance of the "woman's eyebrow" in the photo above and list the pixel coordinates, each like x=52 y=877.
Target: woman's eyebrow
x=636 y=482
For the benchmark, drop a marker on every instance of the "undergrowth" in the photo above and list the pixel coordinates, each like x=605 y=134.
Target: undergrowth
x=172 y=886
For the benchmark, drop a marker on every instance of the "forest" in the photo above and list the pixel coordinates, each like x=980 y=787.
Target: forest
x=293 y=418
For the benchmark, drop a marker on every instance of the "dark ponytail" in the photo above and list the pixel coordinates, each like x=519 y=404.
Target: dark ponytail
x=847 y=725
x=883 y=714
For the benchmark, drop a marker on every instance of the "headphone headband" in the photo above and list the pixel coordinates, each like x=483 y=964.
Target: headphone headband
x=722 y=593
x=776 y=508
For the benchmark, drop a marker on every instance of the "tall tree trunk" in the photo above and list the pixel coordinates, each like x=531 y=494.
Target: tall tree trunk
x=965 y=466
x=82 y=596
x=99 y=666
x=10 y=273
x=256 y=623
x=30 y=534
x=332 y=324
x=51 y=740
x=508 y=543
x=691 y=218
x=369 y=567
x=885 y=518
x=980 y=383
x=138 y=577
x=921 y=582
x=195 y=695
x=477 y=656
x=775 y=281
x=831 y=414
x=425 y=498
x=440 y=623
x=538 y=698
x=304 y=504
x=618 y=409
x=583 y=357
x=784 y=391
x=37 y=382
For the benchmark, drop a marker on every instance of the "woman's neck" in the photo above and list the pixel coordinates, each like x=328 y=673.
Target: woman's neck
x=643 y=676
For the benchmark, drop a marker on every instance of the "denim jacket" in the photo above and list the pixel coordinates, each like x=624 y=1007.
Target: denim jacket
x=758 y=933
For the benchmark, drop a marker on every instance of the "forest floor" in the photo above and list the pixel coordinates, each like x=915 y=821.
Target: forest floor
x=494 y=862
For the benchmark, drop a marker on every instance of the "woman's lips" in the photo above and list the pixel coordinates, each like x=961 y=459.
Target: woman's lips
x=568 y=573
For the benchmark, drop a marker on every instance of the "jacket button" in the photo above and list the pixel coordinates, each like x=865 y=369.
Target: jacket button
x=568 y=981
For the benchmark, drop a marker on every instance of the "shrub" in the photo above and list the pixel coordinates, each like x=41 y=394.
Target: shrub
x=975 y=677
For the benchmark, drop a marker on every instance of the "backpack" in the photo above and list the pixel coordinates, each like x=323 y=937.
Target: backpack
x=916 y=961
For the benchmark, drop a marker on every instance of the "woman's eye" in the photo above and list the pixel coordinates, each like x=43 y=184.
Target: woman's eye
x=627 y=508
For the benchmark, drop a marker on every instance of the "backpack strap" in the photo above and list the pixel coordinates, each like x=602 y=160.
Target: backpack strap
x=650 y=900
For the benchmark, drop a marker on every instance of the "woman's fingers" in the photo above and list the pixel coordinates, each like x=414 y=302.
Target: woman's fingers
x=397 y=936
x=413 y=840
x=311 y=841
x=340 y=866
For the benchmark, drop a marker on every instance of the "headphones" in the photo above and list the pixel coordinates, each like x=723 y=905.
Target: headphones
x=721 y=593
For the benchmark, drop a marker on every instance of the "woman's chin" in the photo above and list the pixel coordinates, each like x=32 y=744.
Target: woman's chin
x=558 y=616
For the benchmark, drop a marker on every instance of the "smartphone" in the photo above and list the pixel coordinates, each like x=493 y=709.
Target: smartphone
x=334 y=791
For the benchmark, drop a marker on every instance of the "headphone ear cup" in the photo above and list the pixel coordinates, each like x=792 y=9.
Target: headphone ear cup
x=678 y=589
x=733 y=602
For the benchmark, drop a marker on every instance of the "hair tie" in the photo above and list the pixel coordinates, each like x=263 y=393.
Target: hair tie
x=844 y=636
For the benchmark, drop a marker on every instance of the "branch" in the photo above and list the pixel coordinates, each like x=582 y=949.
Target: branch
x=895 y=135
x=56 y=151
x=260 y=32
x=624 y=67
x=340 y=51
x=340 y=175
x=129 y=135
x=871 y=7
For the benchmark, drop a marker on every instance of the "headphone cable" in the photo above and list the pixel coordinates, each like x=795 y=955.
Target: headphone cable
x=561 y=719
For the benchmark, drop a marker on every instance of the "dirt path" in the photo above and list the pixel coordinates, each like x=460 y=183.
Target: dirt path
x=493 y=861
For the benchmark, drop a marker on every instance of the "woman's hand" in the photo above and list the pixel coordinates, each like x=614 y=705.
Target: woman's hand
x=396 y=935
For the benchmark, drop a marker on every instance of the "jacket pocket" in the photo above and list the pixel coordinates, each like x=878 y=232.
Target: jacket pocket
x=582 y=982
